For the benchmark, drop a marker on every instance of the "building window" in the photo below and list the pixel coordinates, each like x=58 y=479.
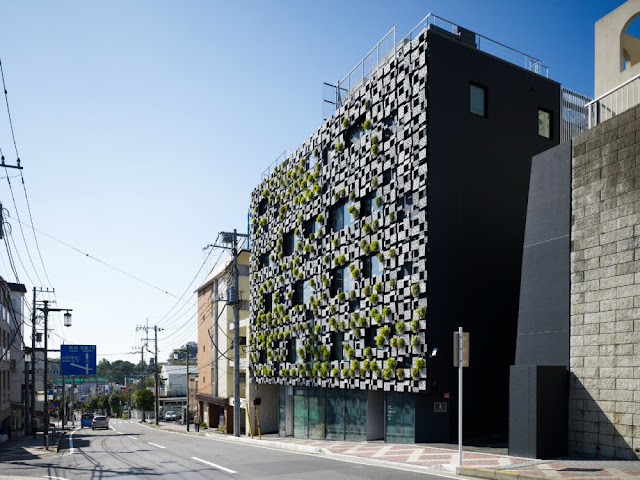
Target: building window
x=544 y=123
x=243 y=270
x=405 y=206
x=298 y=293
x=406 y=270
x=262 y=206
x=264 y=260
x=478 y=99
x=336 y=217
x=337 y=339
x=371 y=267
x=288 y=243
x=341 y=281
x=291 y=350
x=309 y=227
x=267 y=300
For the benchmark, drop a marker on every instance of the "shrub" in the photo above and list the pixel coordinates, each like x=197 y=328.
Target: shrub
x=421 y=311
x=341 y=296
x=386 y=311
x=353 y=210
x=374 y=149
x=380 y=340
x=380 y=257
x=374 y=182
x=392 y=253
x=387 y=373
x=392 y=283
x=394 y=342
x=352 y=294
x=345 y=122
x=415 y=373
x=366 y=228
x=367 y=289
x=367 y=351
x=367 y=124
x=420 y=363
x=384 y=331
x=379 y=202
x=335 y=372
x=378 y=287
x=340 y=147
x=415 y=341
x=401 y=342
x=374 y=140
x=400 y=327
x=367 y=104
x=391 y=363
x=373 y=298
x=352 y=196
x=374 y=246
x=335 y=242
x=415 y=326
x=400 y=373
x=319 y=218
x=415 y=289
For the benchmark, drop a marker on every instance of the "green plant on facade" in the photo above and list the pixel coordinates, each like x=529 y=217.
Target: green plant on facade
x=339 y=147
x=415 y=289
x=414 y=326
x=400 y=327
x=345 y=122
x=415 y=341
x=367 y=124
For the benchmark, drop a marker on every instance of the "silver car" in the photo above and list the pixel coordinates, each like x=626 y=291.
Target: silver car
x=100 y=421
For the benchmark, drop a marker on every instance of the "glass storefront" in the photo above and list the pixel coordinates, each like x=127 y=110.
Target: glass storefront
x=300 y=413
x=335 y=414
x=316 y=413
x=400 y=425
x=355 y=421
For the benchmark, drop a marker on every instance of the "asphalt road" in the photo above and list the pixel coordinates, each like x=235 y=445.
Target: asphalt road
x=132 y=450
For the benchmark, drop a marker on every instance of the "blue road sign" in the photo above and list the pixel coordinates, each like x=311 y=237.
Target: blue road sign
x=78 y=359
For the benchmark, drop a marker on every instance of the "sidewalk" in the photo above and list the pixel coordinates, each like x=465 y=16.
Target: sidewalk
x=25 y=448
x=480 y=462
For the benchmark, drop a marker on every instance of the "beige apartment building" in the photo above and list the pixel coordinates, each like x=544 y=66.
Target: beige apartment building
x=215 y=344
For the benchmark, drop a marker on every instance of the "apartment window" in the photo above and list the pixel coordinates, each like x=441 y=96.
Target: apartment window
x=309 y=227
x=371 y=267
x=306 y=292
x=341 y=281
x=288 y=243
x=264 y=260
x=478 y=99
x=337 y=340
x=406 y=270
x=291 y=350
x=312 y=160
x=244 y=305
x=262 y=206
x=243 y=270
x=544 y=123
x=365 y=205
x=336 y=217
x=405 y=206
x=298 y=293
x=267 y=301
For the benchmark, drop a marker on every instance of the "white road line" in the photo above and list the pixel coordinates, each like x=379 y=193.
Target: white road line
x=228 y=470
x=71 y=448
x=133 y=438
x=156 y=445
x=57 y=478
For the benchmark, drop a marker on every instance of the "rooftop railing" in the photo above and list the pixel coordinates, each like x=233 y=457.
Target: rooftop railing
x=575 y=114
x=387 y=49
x=614 y=102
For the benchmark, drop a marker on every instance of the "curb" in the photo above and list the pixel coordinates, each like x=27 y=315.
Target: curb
x=495 y=474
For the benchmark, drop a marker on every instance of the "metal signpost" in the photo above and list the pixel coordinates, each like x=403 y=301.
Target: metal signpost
x=460 y=360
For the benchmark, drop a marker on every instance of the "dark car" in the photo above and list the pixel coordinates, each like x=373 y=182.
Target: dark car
x=86 y=420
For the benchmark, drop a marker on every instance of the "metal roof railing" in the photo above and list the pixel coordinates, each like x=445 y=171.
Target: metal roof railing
x=614 y=102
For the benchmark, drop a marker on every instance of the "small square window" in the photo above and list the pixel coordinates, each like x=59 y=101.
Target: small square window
x=478 y=99
x=544 y=123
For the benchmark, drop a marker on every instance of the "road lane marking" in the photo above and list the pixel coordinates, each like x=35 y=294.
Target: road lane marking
x=56 y=478
x=156 y=445
x=71 y=448
x=133 y=438
x=219 y=467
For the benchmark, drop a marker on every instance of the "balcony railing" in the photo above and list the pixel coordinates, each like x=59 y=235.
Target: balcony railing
x=614 y=102
x=574 y=114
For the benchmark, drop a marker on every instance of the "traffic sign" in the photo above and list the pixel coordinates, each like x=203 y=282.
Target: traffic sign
x=78 y=359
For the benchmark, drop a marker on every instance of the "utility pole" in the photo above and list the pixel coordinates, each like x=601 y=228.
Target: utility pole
x=33 y=356
x=67 y=322
x=230 y=242
x=155 y=330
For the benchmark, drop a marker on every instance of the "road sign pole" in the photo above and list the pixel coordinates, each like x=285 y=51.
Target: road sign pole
x=460 y=362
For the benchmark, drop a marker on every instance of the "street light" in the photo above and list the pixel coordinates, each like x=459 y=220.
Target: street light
x=176 y=357
x=67 y=323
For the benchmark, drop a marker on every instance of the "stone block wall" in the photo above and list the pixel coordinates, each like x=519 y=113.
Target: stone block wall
x=341 y=163
x=604 y=411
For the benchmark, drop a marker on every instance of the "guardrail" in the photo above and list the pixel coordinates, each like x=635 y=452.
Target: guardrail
x=614 y=102
x=387 y=48
x=575 y=114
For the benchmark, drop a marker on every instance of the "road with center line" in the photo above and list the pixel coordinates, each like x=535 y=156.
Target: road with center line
x=130 y=449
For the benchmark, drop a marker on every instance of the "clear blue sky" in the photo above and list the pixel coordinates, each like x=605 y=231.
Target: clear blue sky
x=143 y=126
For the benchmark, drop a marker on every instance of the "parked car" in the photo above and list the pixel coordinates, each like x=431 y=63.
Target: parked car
x=170 y=416
x=100 y=421
x=86 y=420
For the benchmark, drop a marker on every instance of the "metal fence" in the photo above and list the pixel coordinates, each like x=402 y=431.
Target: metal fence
x=614 y=102
x=574 y=113
x=273 y=164
x=388 y=47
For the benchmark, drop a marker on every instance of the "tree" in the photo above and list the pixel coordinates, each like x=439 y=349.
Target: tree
x=115 y=402
x=92 y=405
x=144 y=400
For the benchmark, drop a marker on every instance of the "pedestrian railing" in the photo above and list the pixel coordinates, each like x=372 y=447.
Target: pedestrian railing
x=614 y=102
